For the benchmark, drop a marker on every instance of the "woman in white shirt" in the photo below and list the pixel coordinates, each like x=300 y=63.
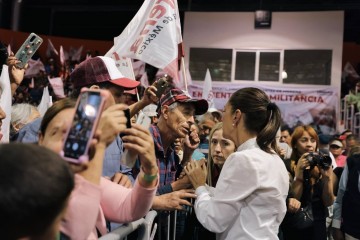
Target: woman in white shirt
x=249 y=199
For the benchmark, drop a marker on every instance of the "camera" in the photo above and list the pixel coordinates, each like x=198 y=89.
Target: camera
x=322 y=160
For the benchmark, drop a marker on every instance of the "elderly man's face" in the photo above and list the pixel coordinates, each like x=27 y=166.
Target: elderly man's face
x=181 y=118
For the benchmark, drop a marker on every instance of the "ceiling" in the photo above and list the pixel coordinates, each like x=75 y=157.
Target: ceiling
x=105 y=19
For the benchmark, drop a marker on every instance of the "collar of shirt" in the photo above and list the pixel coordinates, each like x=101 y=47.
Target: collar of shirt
x=250 y=143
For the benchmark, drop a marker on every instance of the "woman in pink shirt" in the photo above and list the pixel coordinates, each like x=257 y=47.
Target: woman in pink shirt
x=336 y=148
x=96 y=199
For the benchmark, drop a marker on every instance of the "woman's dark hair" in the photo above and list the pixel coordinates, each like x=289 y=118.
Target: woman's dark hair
x=35 y=186
x=261 y=116
x=54 y=110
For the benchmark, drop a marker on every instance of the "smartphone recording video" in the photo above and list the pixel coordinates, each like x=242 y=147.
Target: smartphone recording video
x=161 y=84
x=88 y=111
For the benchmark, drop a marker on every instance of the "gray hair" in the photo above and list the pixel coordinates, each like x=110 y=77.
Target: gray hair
x=21 y=112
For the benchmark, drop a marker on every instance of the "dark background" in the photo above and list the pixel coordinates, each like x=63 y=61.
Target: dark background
x=102 y=20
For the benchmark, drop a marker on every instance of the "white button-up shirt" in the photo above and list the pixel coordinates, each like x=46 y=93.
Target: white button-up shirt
x=249 y=201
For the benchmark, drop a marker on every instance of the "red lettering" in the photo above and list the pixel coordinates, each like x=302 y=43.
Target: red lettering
x=148 y=22
x=157 y=11
x=117 y=58
x=136 y=44
x=170 y=2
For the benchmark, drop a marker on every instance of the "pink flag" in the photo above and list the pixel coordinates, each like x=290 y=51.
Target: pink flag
x=51 y=49
x=58 y=86
x=62 y=55
x=35 y=67
x=153 y=36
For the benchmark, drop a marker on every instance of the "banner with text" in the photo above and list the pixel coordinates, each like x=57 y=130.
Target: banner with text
x=301 y=105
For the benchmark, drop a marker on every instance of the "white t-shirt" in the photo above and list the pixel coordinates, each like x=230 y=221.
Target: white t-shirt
x=249 y=201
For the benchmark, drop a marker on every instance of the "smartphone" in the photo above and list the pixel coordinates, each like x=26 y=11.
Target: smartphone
x=161 y=84
x=28 y=49
x=128 y=118
x=89 y=107
x=127 y=158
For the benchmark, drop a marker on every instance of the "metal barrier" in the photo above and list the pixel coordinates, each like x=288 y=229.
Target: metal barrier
x=356 y=124
x=143 y=225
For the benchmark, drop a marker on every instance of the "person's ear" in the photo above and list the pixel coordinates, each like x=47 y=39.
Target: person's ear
x=16 y=127
x=165 y=111
x=237 y=116
x=41 y=138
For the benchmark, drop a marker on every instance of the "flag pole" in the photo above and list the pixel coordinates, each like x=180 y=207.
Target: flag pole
x=184 y=73
x=129 y=61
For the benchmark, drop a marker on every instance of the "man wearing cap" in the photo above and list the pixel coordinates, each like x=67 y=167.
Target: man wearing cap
x=101 y=72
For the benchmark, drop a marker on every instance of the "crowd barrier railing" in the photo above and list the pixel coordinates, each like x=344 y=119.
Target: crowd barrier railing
x=144 y=226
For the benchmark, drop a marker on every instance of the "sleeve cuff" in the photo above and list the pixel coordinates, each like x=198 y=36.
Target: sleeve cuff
x=165 y=189
x=201 y=190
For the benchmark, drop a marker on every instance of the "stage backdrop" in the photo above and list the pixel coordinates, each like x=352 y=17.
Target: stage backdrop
x=301 y=105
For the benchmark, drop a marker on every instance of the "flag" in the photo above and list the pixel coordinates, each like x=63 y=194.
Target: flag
x=139 y=68
x=207 y=91
x=153 y=36
x=124 y=65
x=51 y=49
x=34 y=68
x=75 y=53
x=350 y=70
x=181 y=84
x=58 y=86
x=5 y=103
x=9 y=51
x=32 y=83
x=144 y=80
x=45 y=102
x=62 y=56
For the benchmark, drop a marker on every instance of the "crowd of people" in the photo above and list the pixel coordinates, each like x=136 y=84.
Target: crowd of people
x=246 y=174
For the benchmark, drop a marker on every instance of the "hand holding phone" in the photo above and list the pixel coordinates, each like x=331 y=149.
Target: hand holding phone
x=28 y=49
x=161 y=84
x=88 y=110
x=129 y=158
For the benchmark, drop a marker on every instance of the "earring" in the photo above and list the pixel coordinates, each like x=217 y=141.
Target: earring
x=233 y=124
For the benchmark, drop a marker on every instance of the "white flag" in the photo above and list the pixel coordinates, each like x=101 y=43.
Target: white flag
x=58 y=86
x=207 y=91
x=75 y=53
x=144 y=80
x=35 y=66
x=50 y=49
x=62 y=55
x=9 y=49
x=350 y=70
x=5 y=103
x=45 y=102
x=124 y=65
x=153 y=36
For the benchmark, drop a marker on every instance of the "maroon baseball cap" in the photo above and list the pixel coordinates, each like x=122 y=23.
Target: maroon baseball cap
x=177 y=95
x=100 y=69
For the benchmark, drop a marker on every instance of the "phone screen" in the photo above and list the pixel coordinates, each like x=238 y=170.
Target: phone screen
x=81 y=130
